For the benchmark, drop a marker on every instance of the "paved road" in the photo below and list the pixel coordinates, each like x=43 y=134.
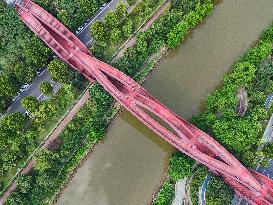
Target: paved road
x=85 y=37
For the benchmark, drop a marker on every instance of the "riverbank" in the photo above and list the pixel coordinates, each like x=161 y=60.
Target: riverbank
x=249 y=127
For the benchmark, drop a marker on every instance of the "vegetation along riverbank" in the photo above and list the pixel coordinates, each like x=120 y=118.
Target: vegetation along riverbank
x=240 y=133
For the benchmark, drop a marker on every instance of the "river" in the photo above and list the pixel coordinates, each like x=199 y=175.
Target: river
x=126 y=168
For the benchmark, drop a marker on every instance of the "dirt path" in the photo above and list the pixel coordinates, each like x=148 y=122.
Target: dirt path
x=132 y=41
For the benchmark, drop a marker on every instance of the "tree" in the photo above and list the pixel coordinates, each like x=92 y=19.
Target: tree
x=166 y=194
x=45 y=160
x=180 y=166
x=218 y=193
x=115 y=36
x=47 y=109
x=243 y=74
x=127 y=29
x=131 y=2
x=59 y=71
x=42 y=161
x=89 y=7
x=15 y=121
x=30 y=103
x=141 y=44
x=8 y=86
x=267 y=151
x=98 y=31
x=121 y=11
x=177 y=34
x=111 y=20
x=46 y=88
x=98 y=49
x=25 y=183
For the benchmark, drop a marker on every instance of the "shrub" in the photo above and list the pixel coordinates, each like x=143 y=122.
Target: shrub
x=197 y=181
x=30 y=103
x=165 y=195
x=218 y=193
x=177 y=34
x=131 y=2
x=46 y=88
x=180 y=166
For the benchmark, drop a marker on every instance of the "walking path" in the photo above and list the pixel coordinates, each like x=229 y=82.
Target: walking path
x=202 y=191
x=180 y=192
x=268 y=100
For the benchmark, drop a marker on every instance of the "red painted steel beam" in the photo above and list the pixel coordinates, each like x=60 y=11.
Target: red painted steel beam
x=256 y=188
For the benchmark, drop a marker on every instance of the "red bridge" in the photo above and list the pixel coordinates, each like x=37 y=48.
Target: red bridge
x=253 y=186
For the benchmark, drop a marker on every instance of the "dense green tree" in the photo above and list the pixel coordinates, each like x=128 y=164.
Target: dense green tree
x=184 y=5
x=59 y=71
x=25 y=184
x=243 y=74
x=267 y=151
x=131 y=2
x=218 y=193
x=141 y=45
x=98 y=31
x=15 y=121
x=111 y=20
x=127 y=28
x=44 y=160
x=31 y=104
x=21 y=54
x=89 y=7
x=8 y=86
x=47 y=109
x=180 y=166
x=98 y=49
x=121 y=11
x=177 y=34
x=115 y=36
x=166 y=194
x=46 y=88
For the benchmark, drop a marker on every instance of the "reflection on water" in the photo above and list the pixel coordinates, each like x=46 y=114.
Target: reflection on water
x=126 y=168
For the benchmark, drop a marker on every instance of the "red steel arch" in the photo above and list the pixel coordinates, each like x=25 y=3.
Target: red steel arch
x=253 y=186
